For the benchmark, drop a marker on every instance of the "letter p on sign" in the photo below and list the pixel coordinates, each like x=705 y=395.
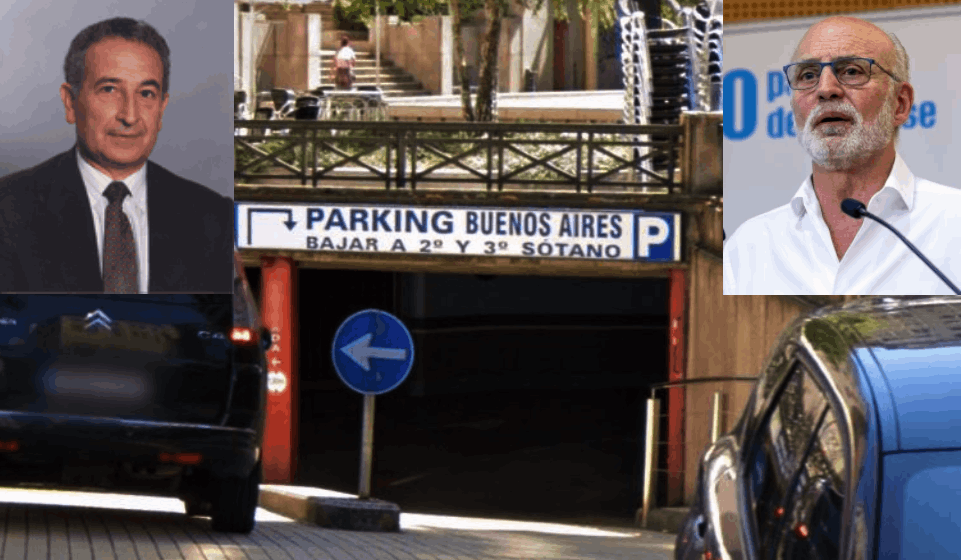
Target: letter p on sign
x=651 y=231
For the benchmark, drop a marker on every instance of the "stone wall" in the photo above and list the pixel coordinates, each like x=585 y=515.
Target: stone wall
x=417 y=48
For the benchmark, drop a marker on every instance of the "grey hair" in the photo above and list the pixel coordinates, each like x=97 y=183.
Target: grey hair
x=125 y=28
x=900 y=69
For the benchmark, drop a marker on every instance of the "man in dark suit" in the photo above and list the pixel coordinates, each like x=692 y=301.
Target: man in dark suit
x=100 y=217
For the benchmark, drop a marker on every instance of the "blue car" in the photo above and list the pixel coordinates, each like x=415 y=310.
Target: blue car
x=849 y=446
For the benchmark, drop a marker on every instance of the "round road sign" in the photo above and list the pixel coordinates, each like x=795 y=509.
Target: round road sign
x=373 y=352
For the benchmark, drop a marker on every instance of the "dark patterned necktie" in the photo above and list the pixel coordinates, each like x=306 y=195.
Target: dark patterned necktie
x=119 y=248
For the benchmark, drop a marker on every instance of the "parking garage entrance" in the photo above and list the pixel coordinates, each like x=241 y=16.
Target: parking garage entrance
x=526 y=398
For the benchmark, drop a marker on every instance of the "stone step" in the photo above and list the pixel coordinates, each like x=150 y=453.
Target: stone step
x=394 y=81
x=407 y=93
x=406 y=86
x=371 y=64
x=395 y=76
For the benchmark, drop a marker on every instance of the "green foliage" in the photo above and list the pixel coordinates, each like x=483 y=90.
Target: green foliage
x=407 y=10
x=601 y=11
x=668 y=14
x=348 y=18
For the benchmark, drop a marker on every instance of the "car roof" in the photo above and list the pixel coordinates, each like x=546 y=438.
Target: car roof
x=915 y=344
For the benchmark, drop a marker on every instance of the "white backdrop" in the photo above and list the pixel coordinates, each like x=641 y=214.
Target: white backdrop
x=763 y=162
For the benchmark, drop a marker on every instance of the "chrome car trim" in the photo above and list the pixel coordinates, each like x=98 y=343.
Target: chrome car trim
x=827 y=344
x=721 y=468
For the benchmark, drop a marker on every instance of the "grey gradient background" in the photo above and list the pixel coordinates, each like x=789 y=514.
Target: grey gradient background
x=197 y=137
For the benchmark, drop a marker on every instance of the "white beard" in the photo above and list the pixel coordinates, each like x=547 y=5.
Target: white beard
x=836 y=149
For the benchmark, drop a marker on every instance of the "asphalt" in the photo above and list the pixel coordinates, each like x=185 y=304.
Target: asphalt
x=555 y=457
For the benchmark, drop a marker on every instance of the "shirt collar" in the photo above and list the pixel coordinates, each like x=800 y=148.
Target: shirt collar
x=96 y=181
x=898 y=189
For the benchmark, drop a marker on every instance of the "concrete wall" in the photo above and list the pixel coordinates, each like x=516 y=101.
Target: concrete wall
x=728 y=336
x=526 y=41
x=287 y=52
x=514 y=40
x=537 y=46
x=293 y=56
x=416 y=48
x=574 y=58
x=265 y=38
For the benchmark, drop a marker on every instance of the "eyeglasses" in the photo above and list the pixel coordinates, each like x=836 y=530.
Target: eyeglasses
x=849 y=71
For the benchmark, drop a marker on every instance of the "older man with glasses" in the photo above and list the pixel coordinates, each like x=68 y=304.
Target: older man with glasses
x=851 y=95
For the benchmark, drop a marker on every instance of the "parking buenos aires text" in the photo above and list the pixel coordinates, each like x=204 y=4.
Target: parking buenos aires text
x=510 y=232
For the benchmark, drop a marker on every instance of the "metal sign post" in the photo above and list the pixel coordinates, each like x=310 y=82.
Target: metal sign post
x=373 y=353
x=366 y=448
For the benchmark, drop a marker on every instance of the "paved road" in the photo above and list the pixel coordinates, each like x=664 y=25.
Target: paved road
x=51 y=525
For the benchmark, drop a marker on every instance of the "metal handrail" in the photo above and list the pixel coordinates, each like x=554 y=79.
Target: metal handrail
x=494 y=157
x=652 y=428
x=683 y=382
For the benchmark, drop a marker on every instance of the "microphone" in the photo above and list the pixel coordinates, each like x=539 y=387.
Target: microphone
x=856 y=209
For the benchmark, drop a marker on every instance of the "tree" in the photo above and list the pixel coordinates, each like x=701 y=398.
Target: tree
x=601 y=11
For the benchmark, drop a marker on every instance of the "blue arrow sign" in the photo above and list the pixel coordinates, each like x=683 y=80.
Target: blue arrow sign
x=373 y=352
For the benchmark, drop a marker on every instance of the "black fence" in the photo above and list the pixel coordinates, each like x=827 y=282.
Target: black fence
x=460 y=156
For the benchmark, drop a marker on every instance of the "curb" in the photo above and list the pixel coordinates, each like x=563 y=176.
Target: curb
x=667 y=520
x=334 y=513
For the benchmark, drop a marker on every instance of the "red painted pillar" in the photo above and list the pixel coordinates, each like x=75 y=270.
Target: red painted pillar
x=677 y=316
x=280 y=430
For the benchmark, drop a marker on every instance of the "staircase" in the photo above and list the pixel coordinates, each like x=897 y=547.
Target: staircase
x=394 y=81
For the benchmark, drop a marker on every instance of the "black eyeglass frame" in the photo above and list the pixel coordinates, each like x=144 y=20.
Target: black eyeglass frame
x=832 y=63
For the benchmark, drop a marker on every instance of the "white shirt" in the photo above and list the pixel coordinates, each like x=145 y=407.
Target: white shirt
x=346 y=53
x=134 y=206
x=788 y=251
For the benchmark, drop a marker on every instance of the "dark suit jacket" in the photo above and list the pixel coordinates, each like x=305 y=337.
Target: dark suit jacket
x=48 y=242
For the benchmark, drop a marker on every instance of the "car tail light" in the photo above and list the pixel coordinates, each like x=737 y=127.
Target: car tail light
x=181 y=458
x=243 y=336
x=12 y=445
x=801 y=531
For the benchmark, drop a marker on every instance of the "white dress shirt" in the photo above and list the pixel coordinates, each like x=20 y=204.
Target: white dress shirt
x=788 y=251
x=134 y=206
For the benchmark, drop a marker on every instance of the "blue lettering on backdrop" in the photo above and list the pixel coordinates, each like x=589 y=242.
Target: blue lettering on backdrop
x=776 y=86
x=928 y=115
x=781 y=123
x=748 y=104
x=741 y=111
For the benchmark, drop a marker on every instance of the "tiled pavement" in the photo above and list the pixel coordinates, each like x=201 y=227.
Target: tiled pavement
x=51 y=525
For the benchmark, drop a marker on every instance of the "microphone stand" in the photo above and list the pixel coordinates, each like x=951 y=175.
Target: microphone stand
x=860 y=210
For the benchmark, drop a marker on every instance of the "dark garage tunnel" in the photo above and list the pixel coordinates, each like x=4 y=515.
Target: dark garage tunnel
x=525 y=401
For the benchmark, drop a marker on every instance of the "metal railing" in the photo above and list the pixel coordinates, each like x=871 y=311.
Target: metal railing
x=721 y=418
x=491 y=156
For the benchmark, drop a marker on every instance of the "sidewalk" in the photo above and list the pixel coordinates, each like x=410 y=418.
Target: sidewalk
x=60 y=525
x=425 y=536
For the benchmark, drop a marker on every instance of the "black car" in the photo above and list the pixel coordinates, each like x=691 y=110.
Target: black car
x=154 y=394
x=850 y=445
